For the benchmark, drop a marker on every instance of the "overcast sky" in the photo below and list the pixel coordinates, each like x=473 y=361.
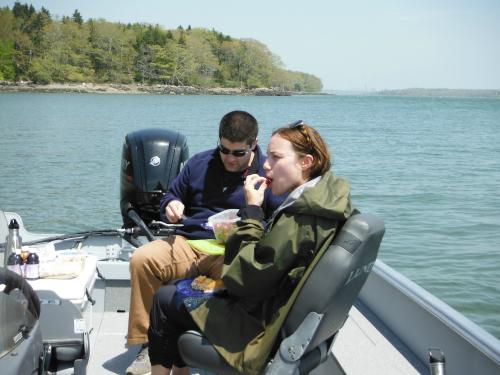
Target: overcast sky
x=357 y=44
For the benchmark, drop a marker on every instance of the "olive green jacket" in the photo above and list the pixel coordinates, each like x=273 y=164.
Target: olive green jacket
x=263 y=269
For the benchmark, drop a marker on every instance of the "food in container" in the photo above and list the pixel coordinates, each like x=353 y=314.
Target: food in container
x=223 y=224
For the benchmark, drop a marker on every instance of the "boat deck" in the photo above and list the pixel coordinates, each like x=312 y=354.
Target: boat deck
x=366 y=346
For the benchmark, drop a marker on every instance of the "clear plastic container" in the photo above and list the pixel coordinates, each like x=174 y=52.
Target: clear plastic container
x=223 y=224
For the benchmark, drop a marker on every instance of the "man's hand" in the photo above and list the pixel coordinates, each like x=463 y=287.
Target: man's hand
x=174 y=211
x=254 y=188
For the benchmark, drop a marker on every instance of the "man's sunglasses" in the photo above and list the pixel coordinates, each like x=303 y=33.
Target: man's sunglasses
x=236 y=153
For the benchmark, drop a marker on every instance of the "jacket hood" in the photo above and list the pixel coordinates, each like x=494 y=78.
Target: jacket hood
x=328 y=197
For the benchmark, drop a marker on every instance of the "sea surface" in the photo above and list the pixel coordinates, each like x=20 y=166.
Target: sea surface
x=430 y=167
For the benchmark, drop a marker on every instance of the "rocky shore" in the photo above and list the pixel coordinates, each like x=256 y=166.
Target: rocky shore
x=113 y=88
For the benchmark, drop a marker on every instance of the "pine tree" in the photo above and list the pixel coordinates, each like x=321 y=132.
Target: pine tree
x=77 y=17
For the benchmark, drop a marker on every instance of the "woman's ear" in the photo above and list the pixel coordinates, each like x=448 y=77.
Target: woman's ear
x=307 y=162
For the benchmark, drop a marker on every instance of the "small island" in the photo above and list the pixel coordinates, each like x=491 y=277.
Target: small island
x=39 y=52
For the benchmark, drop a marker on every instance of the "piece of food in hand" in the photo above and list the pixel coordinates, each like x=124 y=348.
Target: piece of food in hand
x=206 y=284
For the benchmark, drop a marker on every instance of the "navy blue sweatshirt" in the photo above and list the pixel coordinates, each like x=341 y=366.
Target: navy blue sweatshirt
x=206 y=188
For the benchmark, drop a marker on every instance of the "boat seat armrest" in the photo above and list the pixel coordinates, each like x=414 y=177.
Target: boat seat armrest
x=198 y=352
x=289 y=354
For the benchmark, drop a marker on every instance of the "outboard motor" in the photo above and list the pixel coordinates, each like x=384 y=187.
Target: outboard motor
x=151 y=158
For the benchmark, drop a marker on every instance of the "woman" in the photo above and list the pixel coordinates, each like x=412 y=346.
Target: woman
x=262 y=265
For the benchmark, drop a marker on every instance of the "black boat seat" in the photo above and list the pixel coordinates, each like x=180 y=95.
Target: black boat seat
x=320 y=310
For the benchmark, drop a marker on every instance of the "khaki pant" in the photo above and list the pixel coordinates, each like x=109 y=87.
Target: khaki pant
x=158 y=263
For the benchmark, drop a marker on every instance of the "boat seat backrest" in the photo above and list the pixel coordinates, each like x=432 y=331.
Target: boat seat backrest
x=337 y=278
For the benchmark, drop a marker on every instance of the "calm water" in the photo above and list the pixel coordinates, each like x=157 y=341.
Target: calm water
x=430 y=167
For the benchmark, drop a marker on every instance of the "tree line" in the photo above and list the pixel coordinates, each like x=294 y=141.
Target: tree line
x=36 y=47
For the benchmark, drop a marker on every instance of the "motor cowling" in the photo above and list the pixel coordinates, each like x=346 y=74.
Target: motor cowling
x=151 y=159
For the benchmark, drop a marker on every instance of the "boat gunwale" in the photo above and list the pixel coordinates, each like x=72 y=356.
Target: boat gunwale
x=459 y=324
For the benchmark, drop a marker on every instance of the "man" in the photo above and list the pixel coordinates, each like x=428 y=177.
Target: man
x=210 y=182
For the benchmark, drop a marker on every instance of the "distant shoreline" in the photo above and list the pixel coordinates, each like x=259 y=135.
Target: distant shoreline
x=424 y=92
x=469 y=93
x=117 y=88
x=137 y=88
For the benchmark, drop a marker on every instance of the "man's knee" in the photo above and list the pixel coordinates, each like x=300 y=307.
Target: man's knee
x=144 y=254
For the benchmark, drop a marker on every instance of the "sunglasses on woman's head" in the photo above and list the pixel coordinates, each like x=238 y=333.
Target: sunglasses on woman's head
x=300 y=124
x=296 y=124
x=236 y=153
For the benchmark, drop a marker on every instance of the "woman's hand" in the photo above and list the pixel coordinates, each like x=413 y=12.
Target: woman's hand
x=254 y=188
